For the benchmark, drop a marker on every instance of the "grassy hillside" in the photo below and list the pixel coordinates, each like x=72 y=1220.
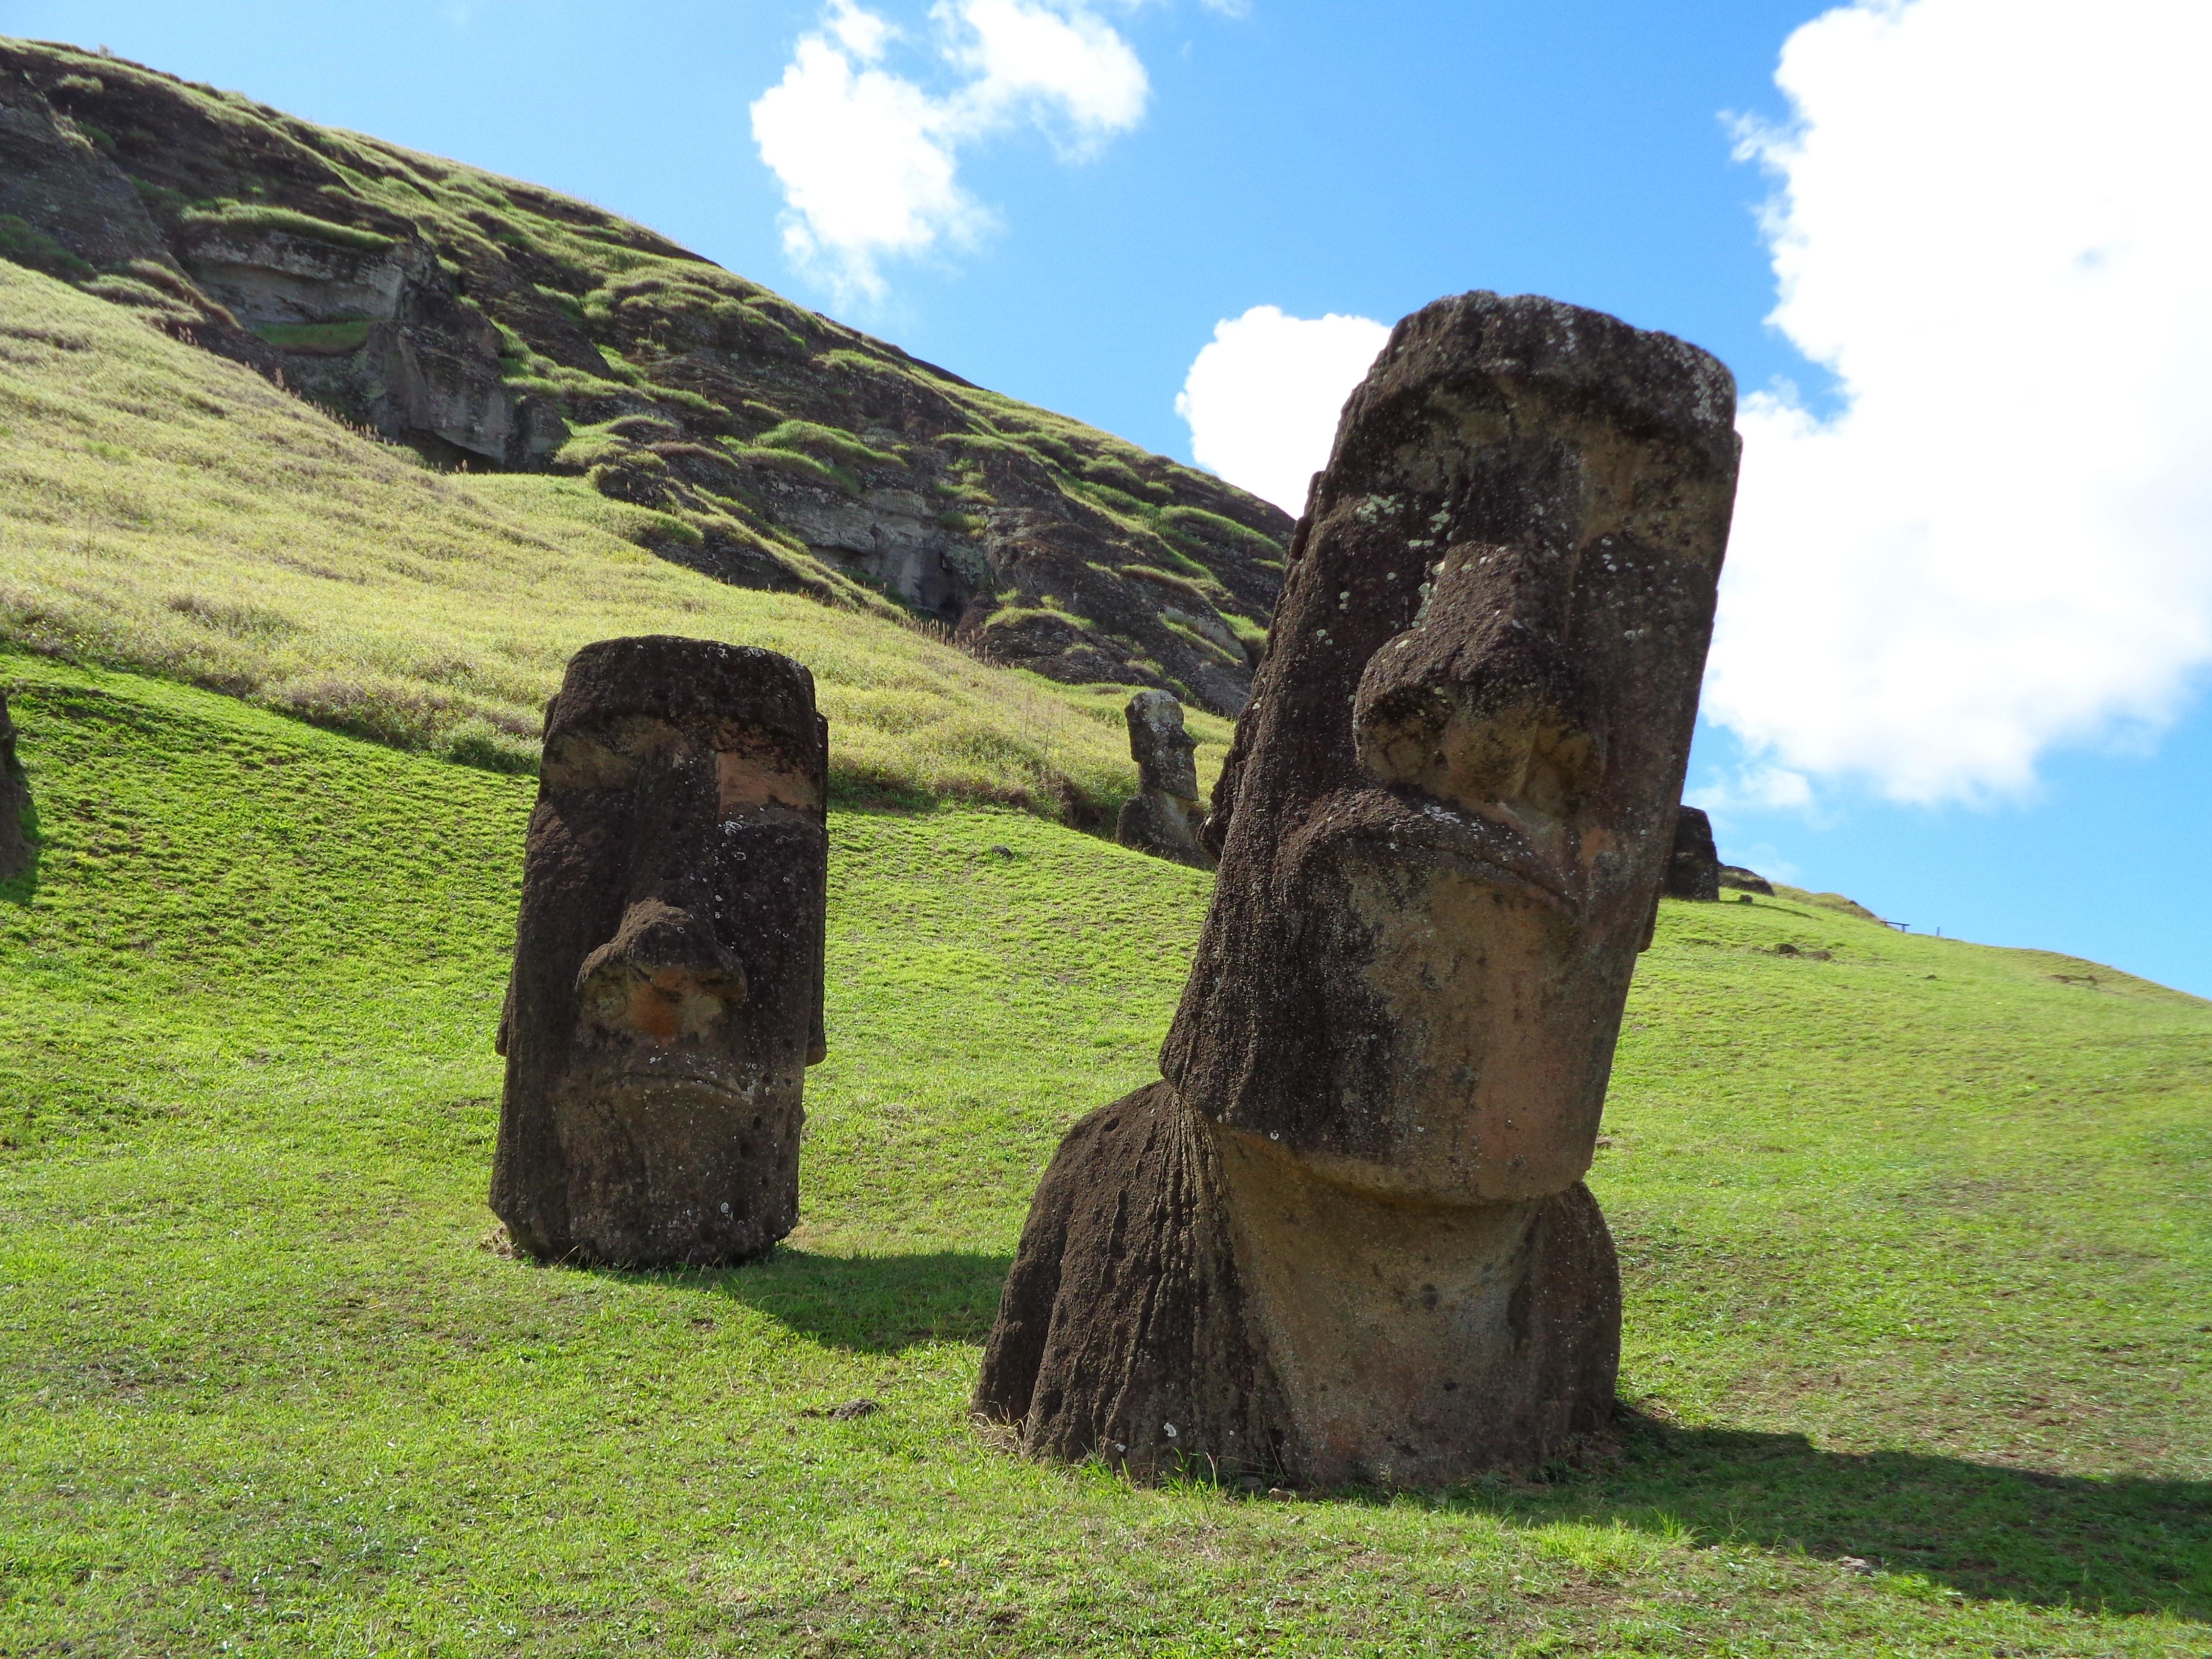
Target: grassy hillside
x=1919 y=1272
x=162 y=508
x=490 y=323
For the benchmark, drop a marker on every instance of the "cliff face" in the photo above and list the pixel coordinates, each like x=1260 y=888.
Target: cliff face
x=493 y=324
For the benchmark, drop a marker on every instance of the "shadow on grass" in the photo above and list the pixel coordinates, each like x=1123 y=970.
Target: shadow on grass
x=873 y=1303
x=2127 y=1545
x=20 y=845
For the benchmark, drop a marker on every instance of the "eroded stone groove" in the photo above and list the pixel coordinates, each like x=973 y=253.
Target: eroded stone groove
x=1346 y=1238
x=666 y=997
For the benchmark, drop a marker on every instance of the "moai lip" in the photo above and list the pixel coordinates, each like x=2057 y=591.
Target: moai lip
x=667 y=996
x=1346 y=1238
x=15 y=803
x=1164 y=817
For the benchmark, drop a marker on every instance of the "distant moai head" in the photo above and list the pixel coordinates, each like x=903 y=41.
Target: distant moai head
x=1446 y=815
x=1693 y=868
x=1162 y=749
x=15 y=803
x=667 y=996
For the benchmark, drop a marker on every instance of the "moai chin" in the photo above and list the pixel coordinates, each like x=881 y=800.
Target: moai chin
x=15 y=803
x=666 y=997
x=1693 y=868
x=1346 y=1238
x=1164 y=818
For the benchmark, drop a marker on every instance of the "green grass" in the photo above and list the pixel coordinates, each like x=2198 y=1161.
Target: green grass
x=1917 y=1273
x=164 y=510
x=255 y=216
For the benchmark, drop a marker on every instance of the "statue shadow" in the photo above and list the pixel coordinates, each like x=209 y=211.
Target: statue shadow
x=2126 y=1545
x=864 y=1304
x=23 y=886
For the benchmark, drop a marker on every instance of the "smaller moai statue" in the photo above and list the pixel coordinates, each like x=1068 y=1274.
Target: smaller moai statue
x=15 y=803
x=1693 y=868
x=1164 y=818
x=667 y=996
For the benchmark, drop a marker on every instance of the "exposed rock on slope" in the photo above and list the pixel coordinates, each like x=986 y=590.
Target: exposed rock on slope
x=492 y=323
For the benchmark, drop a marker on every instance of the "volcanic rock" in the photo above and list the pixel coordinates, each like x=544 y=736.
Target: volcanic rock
x=1742 y=880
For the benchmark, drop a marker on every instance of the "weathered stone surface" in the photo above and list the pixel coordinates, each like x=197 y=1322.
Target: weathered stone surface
x=1693 y=870
x=1346 y=1236
x=666 y=997
x=15 y=803
x=1741 y=880
x=1164 y=818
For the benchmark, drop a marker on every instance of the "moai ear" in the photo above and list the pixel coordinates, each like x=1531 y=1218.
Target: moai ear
x=506 y=1018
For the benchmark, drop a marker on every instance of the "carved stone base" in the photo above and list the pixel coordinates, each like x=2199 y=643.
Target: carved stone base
x=1184 y=1295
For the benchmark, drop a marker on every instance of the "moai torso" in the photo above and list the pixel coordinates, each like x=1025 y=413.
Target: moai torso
x=667 y=996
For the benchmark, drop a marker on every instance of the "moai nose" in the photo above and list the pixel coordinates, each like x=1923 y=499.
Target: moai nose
x=664 y=976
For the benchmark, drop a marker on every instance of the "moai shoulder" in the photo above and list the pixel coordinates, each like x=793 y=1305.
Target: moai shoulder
x=667 y=996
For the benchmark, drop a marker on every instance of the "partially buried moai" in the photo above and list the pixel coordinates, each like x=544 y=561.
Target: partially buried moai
x=15 y=803
x=667 y=996
x=1164 y=818
x=1346 y=1238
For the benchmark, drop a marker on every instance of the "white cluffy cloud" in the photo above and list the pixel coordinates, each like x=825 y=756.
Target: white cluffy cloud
x=1262 y=398
x=1992 y=224
x=868 y=159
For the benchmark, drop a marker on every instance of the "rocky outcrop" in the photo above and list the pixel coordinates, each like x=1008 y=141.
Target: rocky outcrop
x=1345 y=1237
x=15 y=803
x=489 y=323
x=667 y=996
x=1164 y=819
x=1693 y=868
x=1739 y=879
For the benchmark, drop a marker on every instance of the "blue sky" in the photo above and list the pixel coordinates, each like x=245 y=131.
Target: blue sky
x=1963 y=653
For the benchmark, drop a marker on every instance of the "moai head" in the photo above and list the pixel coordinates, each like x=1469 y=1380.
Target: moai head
x=1159 y=745
x=666 y=997
x=1447 y=812
x=1693 y=868
x=14 y=801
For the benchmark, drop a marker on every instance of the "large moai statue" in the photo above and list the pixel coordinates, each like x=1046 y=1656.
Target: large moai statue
x=1693 y=868
x=1346 y=1238
x=666 y=997
x=1164 y=818
x=15 y=803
